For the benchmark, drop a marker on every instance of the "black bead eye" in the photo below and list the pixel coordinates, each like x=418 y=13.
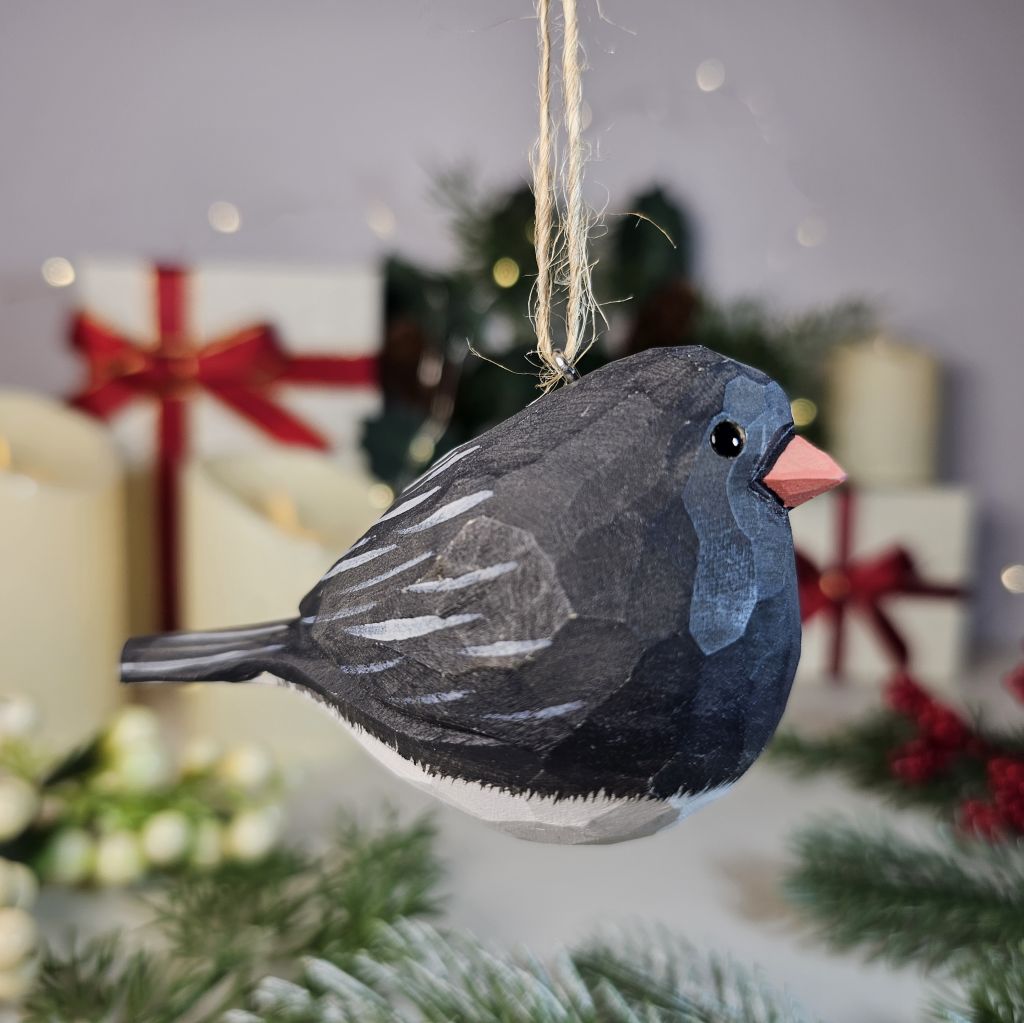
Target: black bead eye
x=727 y=439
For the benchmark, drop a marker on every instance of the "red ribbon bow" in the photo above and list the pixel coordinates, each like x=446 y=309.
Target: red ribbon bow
x=862 y=586
x=239 y=370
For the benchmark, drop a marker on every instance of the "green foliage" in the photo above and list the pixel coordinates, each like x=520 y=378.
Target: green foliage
x=993 y=990
x=344 y=937
x=384 y=877
x=953 y=905
x=649 y=244
x=106 y=981
x=642 y=278
x=118 y=782
x=219 y=933
x=905 y=901
x=421 y=975
x=861 y=753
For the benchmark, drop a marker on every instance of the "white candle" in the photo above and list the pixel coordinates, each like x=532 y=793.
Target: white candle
x=260 y=530
x=62 y=565
x=883 y=412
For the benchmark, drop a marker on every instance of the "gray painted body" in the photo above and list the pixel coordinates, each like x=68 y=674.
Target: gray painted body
x=586 y=599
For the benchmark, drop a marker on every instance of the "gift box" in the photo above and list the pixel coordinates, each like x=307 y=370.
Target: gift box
x=213 y=360
x=884 y=579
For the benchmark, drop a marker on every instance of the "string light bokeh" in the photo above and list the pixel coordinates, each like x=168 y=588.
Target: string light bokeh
x=710 y=75
x=58 y=272
x=224 y=217
x=1012 y=578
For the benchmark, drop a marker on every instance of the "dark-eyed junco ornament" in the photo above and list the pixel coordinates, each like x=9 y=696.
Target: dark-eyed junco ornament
x=580 y=626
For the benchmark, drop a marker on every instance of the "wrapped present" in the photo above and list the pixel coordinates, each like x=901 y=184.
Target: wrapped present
x=214 y=360
x=883 y=582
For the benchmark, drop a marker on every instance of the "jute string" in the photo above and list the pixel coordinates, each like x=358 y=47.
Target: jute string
x=562 y=257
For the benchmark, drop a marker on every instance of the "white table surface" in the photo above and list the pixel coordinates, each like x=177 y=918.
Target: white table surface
x=714 y=879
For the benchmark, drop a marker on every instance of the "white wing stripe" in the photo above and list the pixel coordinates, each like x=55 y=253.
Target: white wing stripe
x=408 y=628
x=460 y=582
x=368 y=669
x=448 y=460
x=507 y=648
x=430 y=698
x=347 y=612
x=360 y=559
x=449 y=511
x=405 y=506
x=367 y=583
x=538 y=715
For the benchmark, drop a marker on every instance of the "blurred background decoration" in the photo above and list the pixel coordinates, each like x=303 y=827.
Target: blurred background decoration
x=950 y=904
x=438 y=392
x=62 y=547
x=280 y=293
x=117 y=811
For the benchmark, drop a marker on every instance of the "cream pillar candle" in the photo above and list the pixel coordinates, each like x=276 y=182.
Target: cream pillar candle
x=883 y=412
x=62 y=565
x=260 y=530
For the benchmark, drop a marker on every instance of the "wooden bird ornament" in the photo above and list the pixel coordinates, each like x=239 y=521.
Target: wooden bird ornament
x=580 y=626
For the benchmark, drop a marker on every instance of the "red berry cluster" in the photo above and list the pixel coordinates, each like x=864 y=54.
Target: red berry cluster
x=1002 y=813
x=941 y=733
x=944 y=740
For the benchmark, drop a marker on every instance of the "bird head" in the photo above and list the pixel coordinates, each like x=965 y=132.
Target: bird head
x=745 y=438
x=742 y=468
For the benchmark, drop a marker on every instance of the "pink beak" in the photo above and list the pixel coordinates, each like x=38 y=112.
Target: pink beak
x=801 y=472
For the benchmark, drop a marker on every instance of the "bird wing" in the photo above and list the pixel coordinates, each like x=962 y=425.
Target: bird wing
x=451 y=627
x=479 y=594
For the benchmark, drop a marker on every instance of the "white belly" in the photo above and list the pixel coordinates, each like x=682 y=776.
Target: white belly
x=592 y=820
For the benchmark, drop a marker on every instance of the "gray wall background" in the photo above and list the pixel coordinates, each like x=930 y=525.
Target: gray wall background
x=897 y=123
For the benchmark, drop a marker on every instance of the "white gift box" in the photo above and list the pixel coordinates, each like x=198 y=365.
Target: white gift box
x=322 y=311
x=314 y=311
x=934 y=526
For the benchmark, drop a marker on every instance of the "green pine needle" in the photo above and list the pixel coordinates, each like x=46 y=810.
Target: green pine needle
x=993 y=990
x=861 y=753
x=220 y=933
x=427 y=976
x=904 y=901
x=343 y=938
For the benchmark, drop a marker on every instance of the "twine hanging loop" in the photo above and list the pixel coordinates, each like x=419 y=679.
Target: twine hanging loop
x=560 y=242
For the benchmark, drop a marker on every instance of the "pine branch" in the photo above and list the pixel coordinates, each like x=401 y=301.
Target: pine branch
x=333 y=941
x=993 y=991
x=904 y=901
x=429 y=977
x=862 y=752
x=372 y=879
x=105 y=981
x=223 y=931
x=654 y=964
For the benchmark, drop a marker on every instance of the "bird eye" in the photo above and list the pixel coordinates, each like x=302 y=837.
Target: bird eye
x=727 y=439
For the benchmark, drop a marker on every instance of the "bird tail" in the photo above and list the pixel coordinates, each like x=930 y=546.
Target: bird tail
x=223 y=655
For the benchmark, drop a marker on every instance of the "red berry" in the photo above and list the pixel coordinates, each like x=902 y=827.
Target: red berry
x=943 y=726
x=917 y=761
x=1005 y=774
x=905 y=696
x=981 y=819
x=1015 y=681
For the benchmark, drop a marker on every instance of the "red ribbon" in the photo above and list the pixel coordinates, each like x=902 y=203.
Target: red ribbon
x=862 y=587
x=239 y=370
